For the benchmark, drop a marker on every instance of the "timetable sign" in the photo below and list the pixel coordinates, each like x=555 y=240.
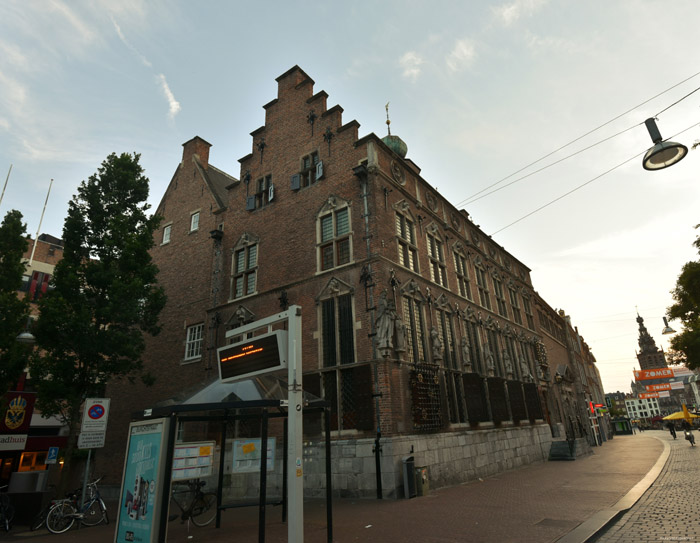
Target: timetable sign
x=254 y=356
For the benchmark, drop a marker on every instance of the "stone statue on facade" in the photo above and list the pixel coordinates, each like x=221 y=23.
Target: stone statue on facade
x=525 y=370
x=436 y=343
x=490 y=362
x=508 y=363
x=386 y=317
x=466 y=354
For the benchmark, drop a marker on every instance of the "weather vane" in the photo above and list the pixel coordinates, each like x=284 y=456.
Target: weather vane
x=388 y=122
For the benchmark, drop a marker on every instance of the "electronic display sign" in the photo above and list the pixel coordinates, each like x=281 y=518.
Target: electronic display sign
x=261 y=354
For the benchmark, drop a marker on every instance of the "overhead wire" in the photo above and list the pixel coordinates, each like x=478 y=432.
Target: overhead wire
x=467 y=200
x=552 y=164
x=584 y=184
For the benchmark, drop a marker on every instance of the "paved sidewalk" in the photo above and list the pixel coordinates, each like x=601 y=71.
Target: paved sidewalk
x=540 y=503
x=670 y=510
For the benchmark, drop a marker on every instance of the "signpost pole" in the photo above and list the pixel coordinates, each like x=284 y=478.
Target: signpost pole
x=85 y=480
x=295 y=521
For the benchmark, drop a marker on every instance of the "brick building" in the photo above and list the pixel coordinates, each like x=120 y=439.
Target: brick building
x=418 y=328
x=41 y=257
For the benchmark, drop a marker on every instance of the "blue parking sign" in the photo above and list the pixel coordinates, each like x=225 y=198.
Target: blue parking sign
x=52 y=457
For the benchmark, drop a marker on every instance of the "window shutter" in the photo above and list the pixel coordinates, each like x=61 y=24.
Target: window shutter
x=319 y=170
x=296 y=181
x=271 y=193
x=250 y=203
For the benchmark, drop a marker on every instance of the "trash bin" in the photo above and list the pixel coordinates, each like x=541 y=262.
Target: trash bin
x=422 y=483
x=409 y=478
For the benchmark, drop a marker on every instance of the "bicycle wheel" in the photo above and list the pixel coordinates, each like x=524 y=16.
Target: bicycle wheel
x=39 y=519
x=60 y=518
x=204 y=509
x=94 y=513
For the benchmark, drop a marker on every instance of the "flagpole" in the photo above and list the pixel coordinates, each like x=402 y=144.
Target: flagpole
x=5 y=186
x=36 y=238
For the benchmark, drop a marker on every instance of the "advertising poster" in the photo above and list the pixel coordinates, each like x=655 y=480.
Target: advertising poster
x=140 y=486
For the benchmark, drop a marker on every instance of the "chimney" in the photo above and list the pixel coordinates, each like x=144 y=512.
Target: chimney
x=196 y=147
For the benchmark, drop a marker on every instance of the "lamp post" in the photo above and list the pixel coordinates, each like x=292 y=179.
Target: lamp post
x=664 y=153
x=667 y=329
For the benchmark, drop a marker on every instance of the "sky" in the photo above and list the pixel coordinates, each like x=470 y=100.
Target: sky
x=479 y=91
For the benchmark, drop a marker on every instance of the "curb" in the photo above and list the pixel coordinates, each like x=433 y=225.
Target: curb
x=602 y=519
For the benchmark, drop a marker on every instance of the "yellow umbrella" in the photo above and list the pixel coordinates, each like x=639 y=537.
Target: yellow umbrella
x=681 y=415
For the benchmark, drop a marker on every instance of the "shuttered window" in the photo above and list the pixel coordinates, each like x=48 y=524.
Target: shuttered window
x=335 y=237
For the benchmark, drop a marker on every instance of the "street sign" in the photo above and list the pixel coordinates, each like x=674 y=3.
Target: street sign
x=52 y=457
x=91 y=440
x=95 y=414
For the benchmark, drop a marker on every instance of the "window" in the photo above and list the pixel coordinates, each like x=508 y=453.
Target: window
x=245 y=269
x=528 y=313
x=264 y=194
x=166 y=234
x=193 y=344
x=334 y=234
x=38 y=285
x=462 y=276
x=415 y=330
x=337 y=331
x=500 y=299
x=484 y=298
x=514 y=305
x=311 y=171
x=438 y=272
x=194 y=223
x=406 y=239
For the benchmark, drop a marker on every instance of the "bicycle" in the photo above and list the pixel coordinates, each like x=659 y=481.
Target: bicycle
x=201 y=508
x=64 y=513
x=7 y=510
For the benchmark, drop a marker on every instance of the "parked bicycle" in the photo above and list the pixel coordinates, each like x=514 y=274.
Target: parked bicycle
x=193 y=503
x=7 y=510
x=64 y=513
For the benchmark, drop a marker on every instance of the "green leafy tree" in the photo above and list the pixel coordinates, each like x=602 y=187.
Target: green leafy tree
x=14 y=312
x=105 y=297
x=687 y=309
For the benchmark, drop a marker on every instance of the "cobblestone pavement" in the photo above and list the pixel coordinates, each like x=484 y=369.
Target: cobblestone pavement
x=670 y=509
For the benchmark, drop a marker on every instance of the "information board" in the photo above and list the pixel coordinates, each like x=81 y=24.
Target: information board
x=193 y=460
x=246 y=455
x=254 y=356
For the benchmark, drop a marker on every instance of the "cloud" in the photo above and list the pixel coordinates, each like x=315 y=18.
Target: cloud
x=142 y=58
x=84 y=32
x=411 y=63
x=510 y=13
x=462 y=55
x=173 y=105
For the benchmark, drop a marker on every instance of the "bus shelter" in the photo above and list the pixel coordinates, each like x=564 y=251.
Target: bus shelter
x=231 y=438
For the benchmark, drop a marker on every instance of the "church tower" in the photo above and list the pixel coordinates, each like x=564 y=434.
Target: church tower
x=649 y=356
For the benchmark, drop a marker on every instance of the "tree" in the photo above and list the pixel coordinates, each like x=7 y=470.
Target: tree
x=687 y=310
x=14 y=312
x=105 y=297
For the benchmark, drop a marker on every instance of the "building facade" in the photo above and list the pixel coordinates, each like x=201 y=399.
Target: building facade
x=418 y=329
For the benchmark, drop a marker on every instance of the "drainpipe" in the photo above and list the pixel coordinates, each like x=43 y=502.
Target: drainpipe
x=362 y=173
